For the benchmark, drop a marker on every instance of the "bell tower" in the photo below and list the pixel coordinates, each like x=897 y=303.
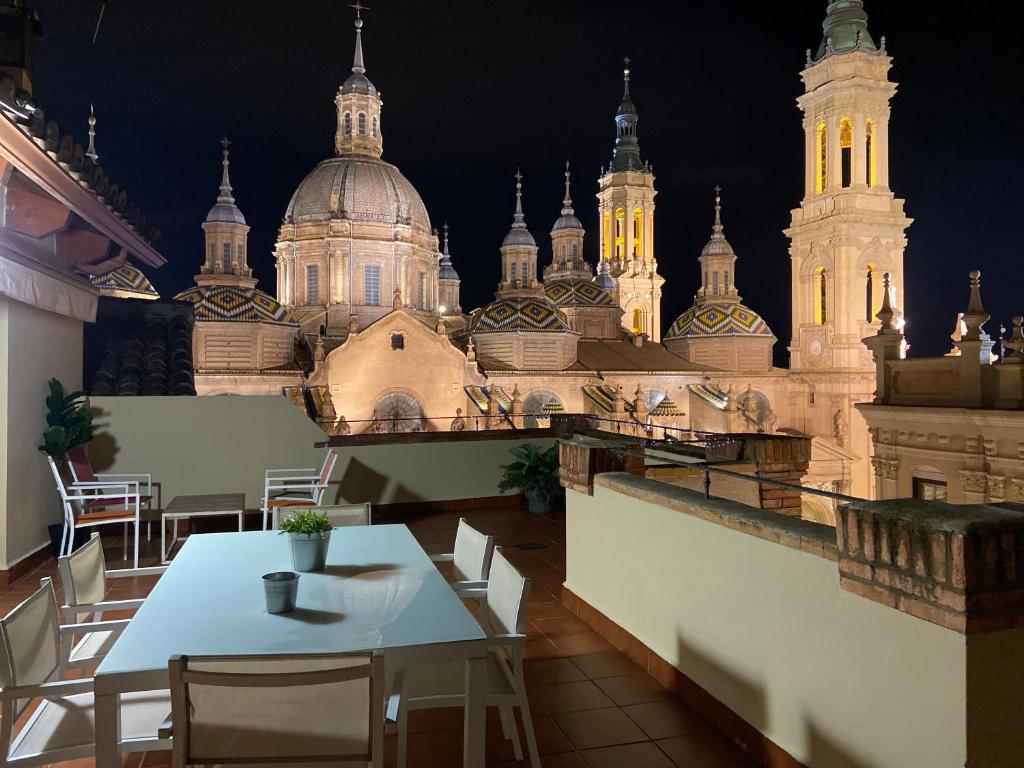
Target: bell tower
x=626 y=214
x=849 y=228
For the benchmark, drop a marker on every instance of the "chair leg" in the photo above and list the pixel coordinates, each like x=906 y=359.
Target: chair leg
x=266 y=514
x=68 y=534
x=136 y=527
x=531 y=738
x=403 y=734
x=511 y=730
x=124 y=539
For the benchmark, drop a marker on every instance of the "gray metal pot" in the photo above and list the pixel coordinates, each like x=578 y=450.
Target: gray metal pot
x=309 y=550
x=539 y=503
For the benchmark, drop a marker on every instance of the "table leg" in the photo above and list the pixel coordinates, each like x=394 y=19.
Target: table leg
x=473 y=744
x=108 y=715
x=163 y=540
x=241 y=521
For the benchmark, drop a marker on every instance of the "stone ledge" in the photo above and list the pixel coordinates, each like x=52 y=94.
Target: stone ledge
x=813 y=538
x=961 y=567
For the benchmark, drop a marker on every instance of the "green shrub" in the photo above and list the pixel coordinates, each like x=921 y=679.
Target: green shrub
x=312 y=523
x=535 y=472
x=68 y=421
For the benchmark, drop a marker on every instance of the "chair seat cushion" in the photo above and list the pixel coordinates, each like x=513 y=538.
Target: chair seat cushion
x=69 y=722
x=94 y=644
x=286 y=495
x=448 y=678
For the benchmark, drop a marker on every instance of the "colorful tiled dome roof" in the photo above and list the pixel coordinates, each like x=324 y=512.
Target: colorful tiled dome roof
x=234 y=304
x=703 y=320
x=577 y=292
x=515 y=314
x=126 y=280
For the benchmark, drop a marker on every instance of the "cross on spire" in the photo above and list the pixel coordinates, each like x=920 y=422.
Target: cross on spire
x=226 y=195
x=519 y=218
x=91 y=151
x=359 y=8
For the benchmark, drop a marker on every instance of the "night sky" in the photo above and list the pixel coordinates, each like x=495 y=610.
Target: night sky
x=474 y=89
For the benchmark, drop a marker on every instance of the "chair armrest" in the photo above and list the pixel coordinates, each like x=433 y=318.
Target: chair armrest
x=105 y=484
x=291 y=487
x=290 y=480
x=469 y=586
x=505 y=641
x=125 y=573
x=445 y=558
x=47 y=690
x=72 y=611
x=94 y=626
x=166 y=729
x=311 y=470
x=139 y=477
x=474 y=594
x=95 y=496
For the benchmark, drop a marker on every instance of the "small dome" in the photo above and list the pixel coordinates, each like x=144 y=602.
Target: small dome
x=234 y=304
x=357 y=82
x=126 y=280
x=577 y=292
x=447 y=272
x=225 y=213
x=359 y=188
x=515 y=314
x=567 y=221
x=704 y=320
x=519 y=236
x=627 y=107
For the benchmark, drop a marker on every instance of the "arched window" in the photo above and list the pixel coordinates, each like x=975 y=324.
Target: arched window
x=869 y=295
x=820 y=296
x=240 y=251
x=347 y=120
x=638 y=229
x=620 y=234
x=575 y=251
x=398 y=412
x=226 y=258
x=714 y=283
x=725 y=282
x=563 y=252
x=513 y=269
x=373 y=124
x=361 y=123
x=639 y=323
x=821 y=159
x=312 y=284
x=526 y=273
x=213 y=252
x=869 y=153
x=607 y=230
x=846 y=150
x=540 y=405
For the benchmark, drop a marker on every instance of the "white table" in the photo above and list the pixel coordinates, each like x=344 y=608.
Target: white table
x=379 y=591
x=183 y=507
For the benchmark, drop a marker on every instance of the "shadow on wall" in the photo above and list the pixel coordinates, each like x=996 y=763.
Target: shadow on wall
x=103 y=448
x=824 y=752
x=360 y=483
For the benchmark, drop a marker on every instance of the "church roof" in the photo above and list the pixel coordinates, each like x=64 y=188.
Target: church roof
x=577 y=292
x=235 y=304
x=515 y=314
x=357 y=187
x=709 y=320
x=125 y=281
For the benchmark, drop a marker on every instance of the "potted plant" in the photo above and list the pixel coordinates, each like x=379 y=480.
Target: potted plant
x=309 y=533
x=534 y=474
x=68 y=421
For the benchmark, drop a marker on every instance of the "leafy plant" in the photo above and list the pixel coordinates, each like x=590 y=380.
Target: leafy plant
x=535 y=472
x=311 y=523
x=68 y=421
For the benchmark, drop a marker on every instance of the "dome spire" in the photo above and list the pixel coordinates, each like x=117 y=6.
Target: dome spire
x=226 y=194
x=567 y=200
x=519 y=218
x=626 y=154
x=446 y=254
x=717 y=230
x=625 y=80
x=358 y=67
x=718 y=263
x=91 y=152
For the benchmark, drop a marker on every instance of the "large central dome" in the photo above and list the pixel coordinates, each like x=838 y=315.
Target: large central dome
x=358 y=188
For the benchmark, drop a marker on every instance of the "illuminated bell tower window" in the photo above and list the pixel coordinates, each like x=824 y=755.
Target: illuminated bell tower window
x=620 y=235
x=869 y=295
x=821 y=159
x=348 y=123
x=846 y=150
x=607 y=236
x=638 y=228
x=820 y=297
x=638 y=320
x=869 y=153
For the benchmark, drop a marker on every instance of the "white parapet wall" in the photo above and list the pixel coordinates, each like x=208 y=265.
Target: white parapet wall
x=835 y=680
x=224 y=444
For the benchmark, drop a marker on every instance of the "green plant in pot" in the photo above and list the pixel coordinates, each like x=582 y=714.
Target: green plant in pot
x=534 y=474
x=68 y=421
x=309 y=534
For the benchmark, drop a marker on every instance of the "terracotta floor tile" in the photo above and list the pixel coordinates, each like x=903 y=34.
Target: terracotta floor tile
x=632 y=689
x=584 y=643
x=599 y=728
x=540 y=648
x=597 y=665
x=643 y=755
x=711 y=750
x=564 y=760
x=570 y=697
x=548 y=671
x=561 y=626
x=665 y=719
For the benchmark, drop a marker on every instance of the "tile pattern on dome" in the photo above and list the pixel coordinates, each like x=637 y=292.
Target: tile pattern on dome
x=127 y=279
x=603 y=395
x=229 y=303
x=718 y=320
x=480 y=396
x=520 y=314
x=577 y=293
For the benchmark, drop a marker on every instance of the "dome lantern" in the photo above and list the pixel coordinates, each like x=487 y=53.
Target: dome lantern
x=358 y=104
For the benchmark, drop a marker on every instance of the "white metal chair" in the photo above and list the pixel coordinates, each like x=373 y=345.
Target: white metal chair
x=82 y=472
x=98 y=503
x=83 y=575
x=471 y=559
x=295 y=488
x=434 y=685
x=280 y=709
x=344 y=515
x=61 y=727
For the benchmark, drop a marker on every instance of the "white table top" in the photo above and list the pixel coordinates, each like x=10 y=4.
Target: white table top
x=380 y=590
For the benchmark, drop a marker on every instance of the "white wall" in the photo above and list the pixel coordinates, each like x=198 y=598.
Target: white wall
x=223 y=444
x=836 y=680
x=35 y=346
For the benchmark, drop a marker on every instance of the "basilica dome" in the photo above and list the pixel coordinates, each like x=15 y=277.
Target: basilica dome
x=577 y=292
x=360 y=188
x=515 y=314
x=714 y=320
x=235 y=304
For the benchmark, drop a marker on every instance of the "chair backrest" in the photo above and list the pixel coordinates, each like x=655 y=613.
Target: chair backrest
x=81 y=469
x=507 y=591
x=344 y=515
x=61 y=488
x=83 y=573
x=326 y=470
x=30 y=645
x=472 y=558
x=317 y=707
